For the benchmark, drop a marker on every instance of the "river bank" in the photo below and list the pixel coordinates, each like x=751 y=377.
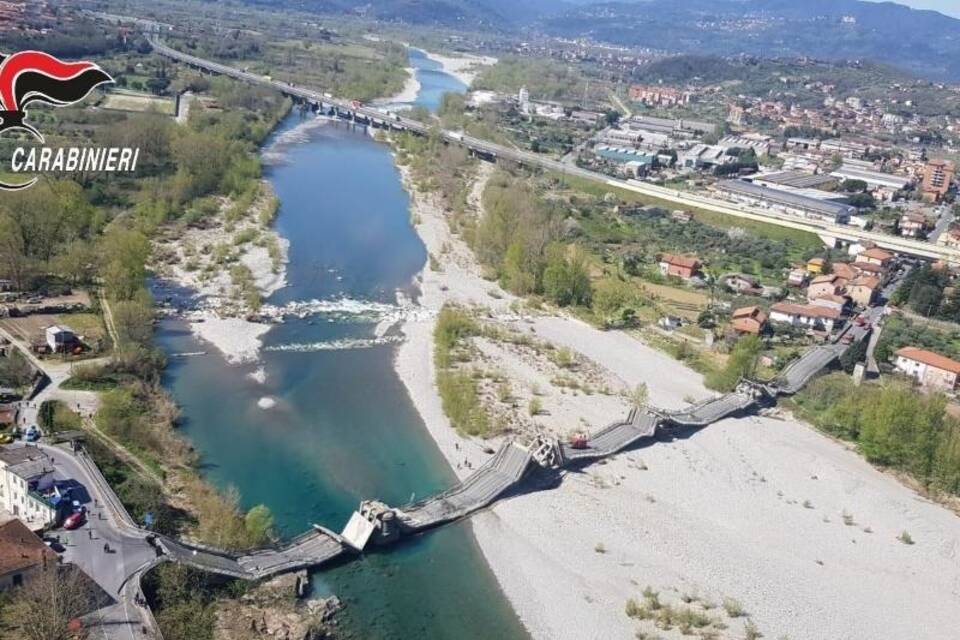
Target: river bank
x=464 y=67
x=725 y=513
x=411 y=88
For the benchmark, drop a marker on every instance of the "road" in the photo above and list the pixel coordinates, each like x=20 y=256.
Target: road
x=118 y=571
x=672 y=197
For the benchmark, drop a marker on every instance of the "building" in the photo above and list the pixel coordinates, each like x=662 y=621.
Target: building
x=659 y=95
x=809 y=316
x=863 y=290
x=913 y=224
x=26 y=472
x=950 y=238
x=22 y=554
x=762 y=145
x=876 y=256
x=673 y=128
x=931 y=370
x=937 y=176
x=679 y=266
x=787 y=202
x=831 y=301
x=882 y=185
x=845 y=271
x=827 y=284
x=794 y=179
x=523 y=100
x=815 y=265
x=704 y=155
x=751 y=320
x=61 y=339
x=797 y=277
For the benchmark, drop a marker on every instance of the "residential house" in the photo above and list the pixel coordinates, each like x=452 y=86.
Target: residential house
x=679 y=266
x=815 y=265
x=797 y=277
x=831 y=301
x=845 y=271
x=931 y=370
x=827 y=284
x=950 y=238
x=750 y=320
x=22 y=554
x=25 y=473
x=808 y=316
x=740 y=283
x=871 y=269
x=876 y=256
x=863 y=290
x=914 y=225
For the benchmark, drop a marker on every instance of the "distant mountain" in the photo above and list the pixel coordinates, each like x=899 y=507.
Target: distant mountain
x=925 y=42
x=464 y=14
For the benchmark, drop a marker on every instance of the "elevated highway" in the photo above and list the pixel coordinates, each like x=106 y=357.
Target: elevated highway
x=830 y=233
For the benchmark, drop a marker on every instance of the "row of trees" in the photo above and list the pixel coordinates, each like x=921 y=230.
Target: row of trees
x=892 y=424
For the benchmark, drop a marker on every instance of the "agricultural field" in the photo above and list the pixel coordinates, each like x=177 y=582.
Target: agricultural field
x=122 y=100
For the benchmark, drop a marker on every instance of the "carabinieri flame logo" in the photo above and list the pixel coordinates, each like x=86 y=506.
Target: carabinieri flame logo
x=27 y=77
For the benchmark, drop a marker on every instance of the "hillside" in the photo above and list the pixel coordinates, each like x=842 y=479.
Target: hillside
x=923 y=42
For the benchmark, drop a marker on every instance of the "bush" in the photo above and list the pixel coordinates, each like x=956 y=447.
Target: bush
x=461 y=403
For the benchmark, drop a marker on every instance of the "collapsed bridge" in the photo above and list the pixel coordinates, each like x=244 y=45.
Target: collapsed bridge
x=504 y=473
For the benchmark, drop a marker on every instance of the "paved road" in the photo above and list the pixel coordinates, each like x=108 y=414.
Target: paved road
x=118 y=571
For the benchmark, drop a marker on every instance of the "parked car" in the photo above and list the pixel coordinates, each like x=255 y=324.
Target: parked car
x=74 y=520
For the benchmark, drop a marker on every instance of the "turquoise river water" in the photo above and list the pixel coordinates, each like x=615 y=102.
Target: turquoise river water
x=343 y=428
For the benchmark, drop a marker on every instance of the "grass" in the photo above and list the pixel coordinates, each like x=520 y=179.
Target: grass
x=804 y=239
x=88 y=325
x=733 y=608
x=140 y=102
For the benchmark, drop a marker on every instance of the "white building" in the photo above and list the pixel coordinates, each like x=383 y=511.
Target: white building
x=60 y=338
x=523 y=100
x=26 y=472
x=808 y=316
x=794 y=203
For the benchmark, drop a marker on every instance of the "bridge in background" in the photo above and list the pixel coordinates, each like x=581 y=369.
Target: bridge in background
x=371 y=116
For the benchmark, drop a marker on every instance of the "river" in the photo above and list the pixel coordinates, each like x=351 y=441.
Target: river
x=343 y=427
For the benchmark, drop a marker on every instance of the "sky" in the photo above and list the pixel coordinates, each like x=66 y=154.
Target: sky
x=949 y=7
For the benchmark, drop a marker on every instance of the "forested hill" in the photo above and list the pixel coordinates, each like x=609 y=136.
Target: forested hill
x=924 y=42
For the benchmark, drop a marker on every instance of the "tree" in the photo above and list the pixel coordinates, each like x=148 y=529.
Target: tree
x=856 y=353
x=565 y=278
x=854 y=186
x=124 y=255
x=44 y=606
x=14 y=263
x=742 y=363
